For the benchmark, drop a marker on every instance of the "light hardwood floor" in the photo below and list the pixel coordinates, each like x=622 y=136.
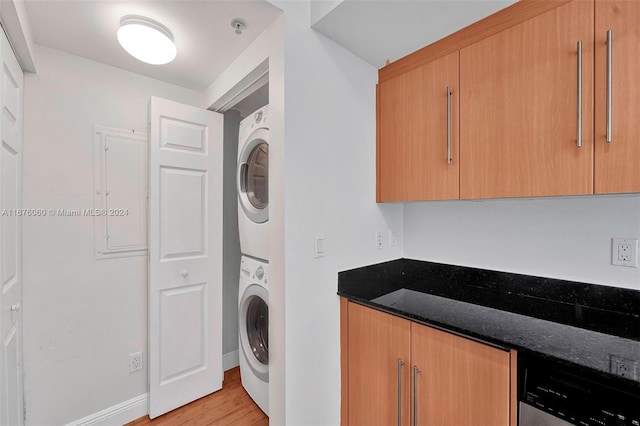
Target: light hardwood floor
x=231 y=406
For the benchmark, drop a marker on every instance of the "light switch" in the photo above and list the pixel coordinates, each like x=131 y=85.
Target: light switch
x=318 y=247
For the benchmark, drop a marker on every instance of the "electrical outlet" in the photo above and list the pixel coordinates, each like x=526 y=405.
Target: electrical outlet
x=378 y=240
x=624 y=252
x=135 y=362
x=623 y=367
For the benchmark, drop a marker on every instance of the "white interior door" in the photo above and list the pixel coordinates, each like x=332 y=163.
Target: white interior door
x=185 y=254
x=11 y=396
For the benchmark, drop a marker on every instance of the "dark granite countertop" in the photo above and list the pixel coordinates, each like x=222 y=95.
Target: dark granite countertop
x=572 y=323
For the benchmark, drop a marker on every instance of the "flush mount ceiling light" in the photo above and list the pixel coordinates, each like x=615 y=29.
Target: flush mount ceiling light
x=146 y=40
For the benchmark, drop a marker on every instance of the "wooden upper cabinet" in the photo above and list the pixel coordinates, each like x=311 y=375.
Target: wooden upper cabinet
x=417 y=121
x=376 y=341
x=459 y=381
x=519 y=108
x=617 y=164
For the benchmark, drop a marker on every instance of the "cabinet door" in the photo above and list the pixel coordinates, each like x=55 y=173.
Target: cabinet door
x=519 y=108
x=459 y=382
x=417 y=122
x=376 y=342
x=617 y=163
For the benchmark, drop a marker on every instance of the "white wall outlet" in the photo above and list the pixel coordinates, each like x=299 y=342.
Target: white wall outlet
x=378 y=240
x=624 y=252
x=319 y=248
x=393 y=242
x=135 y=362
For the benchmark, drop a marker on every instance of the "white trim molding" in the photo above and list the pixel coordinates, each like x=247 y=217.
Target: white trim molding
x=13 y=15
x=118 y=414
x=230 y=360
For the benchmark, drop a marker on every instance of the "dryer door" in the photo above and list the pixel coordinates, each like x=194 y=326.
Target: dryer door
x=253 y=177
x=254 y=330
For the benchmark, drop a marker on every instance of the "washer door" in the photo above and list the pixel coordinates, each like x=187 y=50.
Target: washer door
x=253 y=176
x=254 y=329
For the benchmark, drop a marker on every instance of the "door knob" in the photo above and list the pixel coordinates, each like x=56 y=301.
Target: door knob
x=15 y=308
x=184 y=273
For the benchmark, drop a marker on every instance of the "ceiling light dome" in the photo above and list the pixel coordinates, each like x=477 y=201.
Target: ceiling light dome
x=146 y=40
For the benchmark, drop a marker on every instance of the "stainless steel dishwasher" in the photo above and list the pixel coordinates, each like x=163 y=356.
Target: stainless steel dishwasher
x=554 y=394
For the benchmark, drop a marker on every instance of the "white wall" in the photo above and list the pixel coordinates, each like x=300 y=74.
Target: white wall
x=82 y=316
x=329 y=189
x=230 y=236
x=566 y=238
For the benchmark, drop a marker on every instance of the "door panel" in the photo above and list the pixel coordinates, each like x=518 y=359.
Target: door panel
x=460 y=382
x=412 y=134
x=519 y=97
x=185 y=255
x=10 y=177
x=376 y=341
x=12 y=371
x=183 y=135
x=11 y=385
x=183 y=202
x=182 y=319
x=616 y=163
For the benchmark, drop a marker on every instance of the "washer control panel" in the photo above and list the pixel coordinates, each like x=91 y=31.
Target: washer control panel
x=251 y=269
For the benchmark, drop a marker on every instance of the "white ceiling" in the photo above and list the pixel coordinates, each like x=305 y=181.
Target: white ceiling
x=206 y=43
x=377 y=30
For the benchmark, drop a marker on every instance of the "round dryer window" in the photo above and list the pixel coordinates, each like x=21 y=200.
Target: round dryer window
x=253 y=177
x=258 y=329
x=253 y=315
x=257 y=176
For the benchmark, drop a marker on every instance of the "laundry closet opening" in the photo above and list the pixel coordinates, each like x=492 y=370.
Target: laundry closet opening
x=246 y=238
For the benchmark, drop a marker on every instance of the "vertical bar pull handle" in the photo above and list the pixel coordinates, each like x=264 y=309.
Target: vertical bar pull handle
x=400 y=364
x=579 y=129
x=609 y=83
x=416 y=370
x=448 y=124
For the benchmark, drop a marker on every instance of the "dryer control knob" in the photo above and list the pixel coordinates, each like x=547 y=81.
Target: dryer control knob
x=259 y=272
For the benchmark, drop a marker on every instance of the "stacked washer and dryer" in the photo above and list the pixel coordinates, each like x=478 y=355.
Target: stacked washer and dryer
x=253 y=218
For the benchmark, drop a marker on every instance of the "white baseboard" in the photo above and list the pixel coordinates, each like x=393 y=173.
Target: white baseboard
x=137 y=407
x=230 y=360
x=118 y=414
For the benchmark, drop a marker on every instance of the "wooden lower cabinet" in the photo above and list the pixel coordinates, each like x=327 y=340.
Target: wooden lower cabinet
x=398 y=372
x=376 y=342
x=459 y=381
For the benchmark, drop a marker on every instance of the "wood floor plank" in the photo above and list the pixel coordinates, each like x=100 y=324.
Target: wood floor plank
x=219 y=412
x=249 y=418
x=230 y=406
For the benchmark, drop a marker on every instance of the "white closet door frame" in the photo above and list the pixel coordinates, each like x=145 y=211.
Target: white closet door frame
x=11 y=353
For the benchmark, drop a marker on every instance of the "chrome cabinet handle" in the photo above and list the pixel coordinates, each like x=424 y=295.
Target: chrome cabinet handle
x=609 y=83
x=416 y=370
x=448 y=124
x=400 y=364
x=579 y=130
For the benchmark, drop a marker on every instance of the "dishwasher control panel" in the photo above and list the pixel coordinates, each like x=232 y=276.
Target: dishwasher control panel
x=577 y=397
